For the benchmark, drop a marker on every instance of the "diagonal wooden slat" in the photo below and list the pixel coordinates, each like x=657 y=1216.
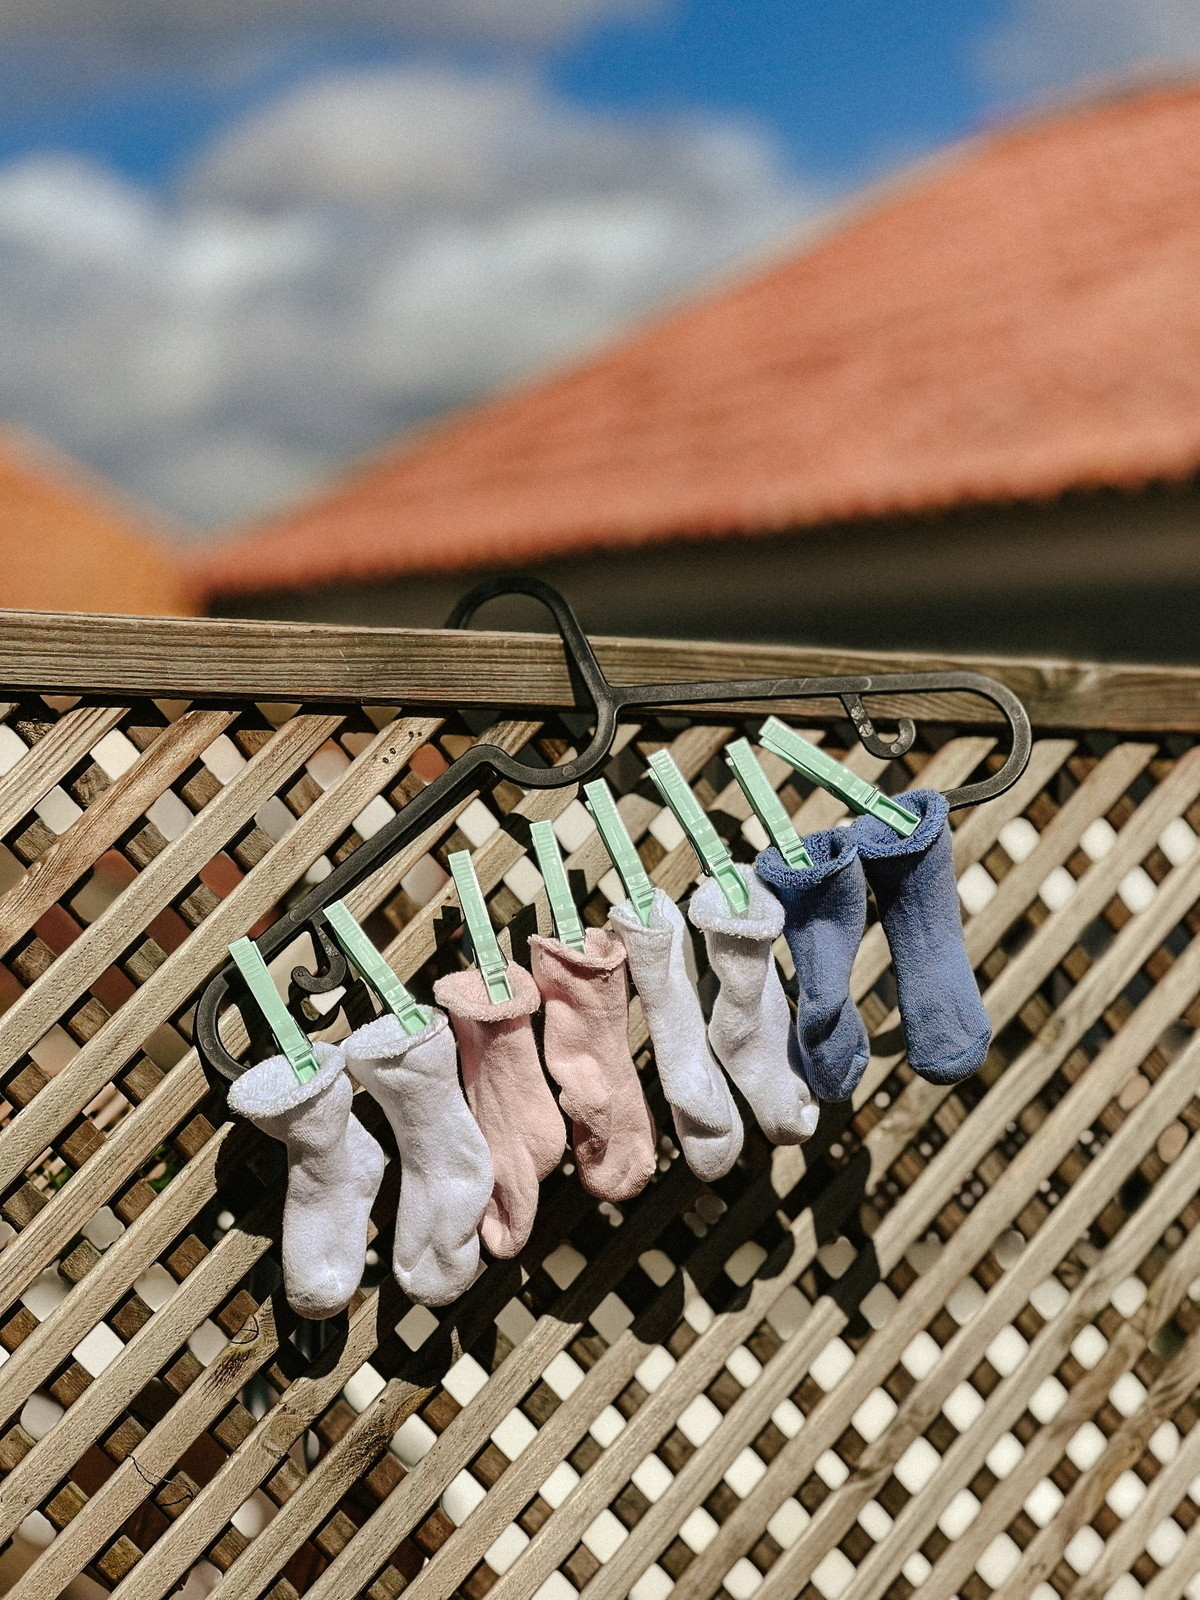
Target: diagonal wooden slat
x=65 y=746
x=118 y=808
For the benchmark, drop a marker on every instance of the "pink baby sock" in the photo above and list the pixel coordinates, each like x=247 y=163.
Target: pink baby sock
x=586 y=1048
x=509 y=1098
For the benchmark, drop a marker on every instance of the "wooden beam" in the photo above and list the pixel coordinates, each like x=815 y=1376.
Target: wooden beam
x=186 y=658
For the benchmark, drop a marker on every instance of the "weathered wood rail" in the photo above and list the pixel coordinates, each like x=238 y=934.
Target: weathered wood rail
x=952 y=1344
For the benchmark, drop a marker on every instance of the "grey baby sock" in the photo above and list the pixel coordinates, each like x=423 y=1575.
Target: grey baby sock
x=751 y=1024
x=335 y=1168
x=706 y=1120
x=946 y=1028
x=446 y=1171
x=825 y=915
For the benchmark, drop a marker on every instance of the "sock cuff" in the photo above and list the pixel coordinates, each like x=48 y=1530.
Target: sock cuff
x=464 y=994
x=272 y=1086
x=386 y=1038
x=665 y=919
x=834 y=850
x=877 y=842
x=763 y=919
x=604 y=952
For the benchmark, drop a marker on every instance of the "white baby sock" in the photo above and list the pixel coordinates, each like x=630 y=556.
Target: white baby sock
x=334 y=1172
x=751 y=1024
x=446 y=1171
x=706 y=1119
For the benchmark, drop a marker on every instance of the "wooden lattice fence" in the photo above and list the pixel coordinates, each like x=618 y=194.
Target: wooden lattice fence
x=953 y=1344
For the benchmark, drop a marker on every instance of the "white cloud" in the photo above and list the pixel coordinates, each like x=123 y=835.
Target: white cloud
x=358 y=255
x=1046 y=44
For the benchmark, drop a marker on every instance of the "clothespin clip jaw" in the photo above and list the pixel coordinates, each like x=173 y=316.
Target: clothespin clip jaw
x=566 y=917
x=706 y=841
x=411 y=1017
x=822 y=769
x=488 y=956
x=290 y=1036
x=599 y=801
x=766 y=804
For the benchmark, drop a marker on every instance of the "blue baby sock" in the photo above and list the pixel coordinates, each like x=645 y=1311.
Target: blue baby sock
x=825 y=913
x=945 y=1025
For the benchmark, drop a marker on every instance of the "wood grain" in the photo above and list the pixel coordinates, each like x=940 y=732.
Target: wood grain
x=283 y=661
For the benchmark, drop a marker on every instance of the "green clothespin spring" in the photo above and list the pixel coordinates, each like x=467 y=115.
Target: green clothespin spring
x=411 y=1017
x=822 y=769
x=292 y=1039
x=706 y=841
x=488 y=956
x=558 y=890
x=619 y=845
x=766 y=804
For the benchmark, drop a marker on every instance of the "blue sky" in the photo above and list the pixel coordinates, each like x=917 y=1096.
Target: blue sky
x=244 y=241
x=848 y=88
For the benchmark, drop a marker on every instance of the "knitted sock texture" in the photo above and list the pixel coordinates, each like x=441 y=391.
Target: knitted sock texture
x=825 y=915
x=509 y=1098
x=335 y=1168
x=751 y=1025
x=586 y=1050
x=446 y=1170
x=706 y=1119
x=946 y=1028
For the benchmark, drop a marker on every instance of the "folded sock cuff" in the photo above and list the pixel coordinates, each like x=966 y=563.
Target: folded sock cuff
x=763 y=919
x=604 y=952
x=661 y=928
x=272 y=1086
x=831 y=851
x=877 y=842
x=387 y=1038
x=465 y=994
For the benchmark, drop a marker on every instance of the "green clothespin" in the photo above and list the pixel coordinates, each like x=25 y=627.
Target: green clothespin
x=619 y=845
x=412 y=1017
x=292 y=1039
x=706 y=841
x=488 y=956
x=822 y=769
x=767 y=805
x=554 y=876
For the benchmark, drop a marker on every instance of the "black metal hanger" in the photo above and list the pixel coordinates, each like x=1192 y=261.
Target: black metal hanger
x=606 y=702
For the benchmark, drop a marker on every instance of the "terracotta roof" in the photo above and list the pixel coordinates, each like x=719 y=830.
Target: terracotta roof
x=70 y=542
x=1019 y=320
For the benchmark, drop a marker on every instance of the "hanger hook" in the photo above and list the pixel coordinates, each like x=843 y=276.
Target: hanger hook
x=590 y=687
x=886 y=750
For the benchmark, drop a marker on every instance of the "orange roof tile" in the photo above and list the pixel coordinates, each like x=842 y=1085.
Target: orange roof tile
x=1020 y=320
x=69 y=542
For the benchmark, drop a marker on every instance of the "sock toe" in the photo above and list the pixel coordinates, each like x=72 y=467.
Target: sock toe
x=957 y=1067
